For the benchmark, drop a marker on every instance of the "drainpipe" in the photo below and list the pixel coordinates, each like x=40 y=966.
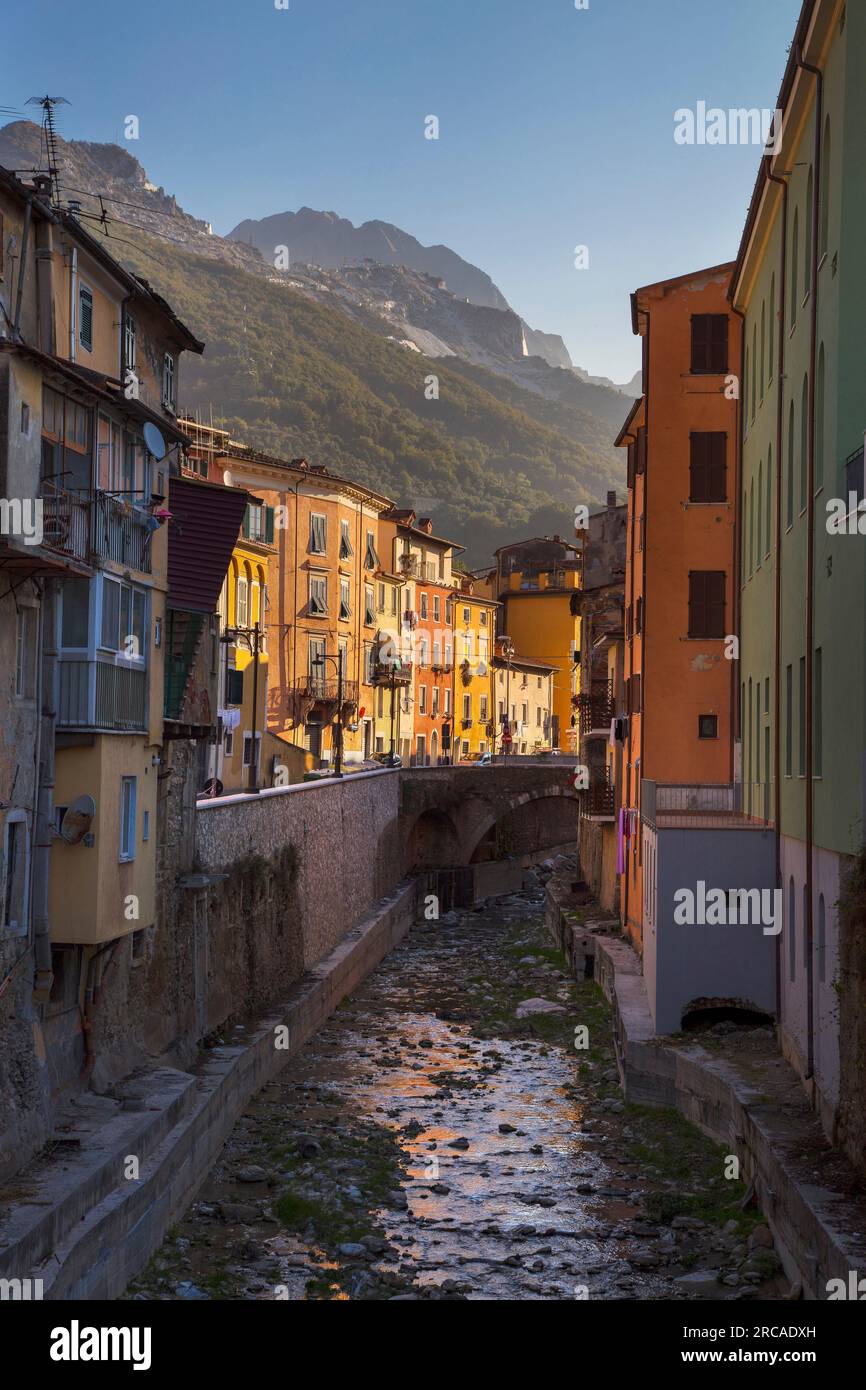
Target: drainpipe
x=810 y=560
x=73 y=276
x=43 y=830
x=777 y=581
x=645 y=606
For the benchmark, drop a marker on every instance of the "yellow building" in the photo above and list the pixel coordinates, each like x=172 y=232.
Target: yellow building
x=244 y=639
x=474 y=634
x=521 y=699
x=105 y=488
x=536 y=582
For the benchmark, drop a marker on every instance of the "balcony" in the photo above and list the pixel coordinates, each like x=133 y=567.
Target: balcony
x=596 y=709
x=323 y=691
x=102 y=695
x=83 y=524
x=696 y=806
x=392 y=672
x=66 y=522
x=597 y=801
x=409 y=565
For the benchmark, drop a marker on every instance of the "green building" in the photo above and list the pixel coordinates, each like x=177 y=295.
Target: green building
x=800 y=282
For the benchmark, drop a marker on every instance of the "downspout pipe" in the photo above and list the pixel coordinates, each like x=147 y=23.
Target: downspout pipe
x=44 y=833
x=777 y=581
x=810 y=563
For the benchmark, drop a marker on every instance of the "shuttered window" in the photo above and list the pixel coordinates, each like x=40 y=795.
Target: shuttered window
x=640 y=452
x=371 y=558
x=709 y=342
x=345 y=542
x=318 y=533
x=707 y=603
x=85 y=317
x=708 y=467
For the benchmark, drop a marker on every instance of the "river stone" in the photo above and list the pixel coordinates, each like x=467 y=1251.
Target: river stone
x=537 y=1006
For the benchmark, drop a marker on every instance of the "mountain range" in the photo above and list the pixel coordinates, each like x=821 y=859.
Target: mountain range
x=336 y=365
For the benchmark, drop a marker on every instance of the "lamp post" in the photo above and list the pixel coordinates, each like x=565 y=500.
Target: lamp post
x=338 y=745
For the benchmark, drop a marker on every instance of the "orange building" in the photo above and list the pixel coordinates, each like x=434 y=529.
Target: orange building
x=424 y=561
x=681 y=543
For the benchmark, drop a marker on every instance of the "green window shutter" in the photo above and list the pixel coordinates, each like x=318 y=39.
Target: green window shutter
x=269 y=525
x=247 y=522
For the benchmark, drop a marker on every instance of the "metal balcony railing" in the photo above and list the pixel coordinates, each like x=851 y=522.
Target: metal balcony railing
x=66 y=521
x=597 y=801
x=596 y=710
x=120 y=532
x=102 y=695
x=313 y=687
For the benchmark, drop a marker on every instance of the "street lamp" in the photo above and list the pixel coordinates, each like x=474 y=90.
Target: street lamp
x=338 y=747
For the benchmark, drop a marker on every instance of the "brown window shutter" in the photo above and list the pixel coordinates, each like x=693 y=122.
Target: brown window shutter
x=636 y=699
x=640 y=461
x=630 y=466
x=697 y=604
x=718 y=343
x=698 y=467
x=716 y=603
x=700 y=343
x=717 y=467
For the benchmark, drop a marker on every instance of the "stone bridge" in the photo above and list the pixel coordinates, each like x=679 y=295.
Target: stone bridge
x=452 y=816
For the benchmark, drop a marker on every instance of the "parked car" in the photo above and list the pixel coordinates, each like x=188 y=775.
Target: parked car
x=387 y=759
x=476 y=760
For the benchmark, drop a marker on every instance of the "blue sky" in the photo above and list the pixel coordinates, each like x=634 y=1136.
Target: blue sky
x=556 y=126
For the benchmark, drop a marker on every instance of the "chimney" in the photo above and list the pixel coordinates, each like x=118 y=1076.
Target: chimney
x=42 y=187
x=611 y=499
x=557 y=538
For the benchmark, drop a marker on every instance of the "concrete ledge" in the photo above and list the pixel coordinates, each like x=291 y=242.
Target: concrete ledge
x=85 y=1230
x=820 y=1231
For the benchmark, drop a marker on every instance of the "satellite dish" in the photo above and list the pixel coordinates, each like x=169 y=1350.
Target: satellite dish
x=227 y=478
x=153 y=441
x=78 y=820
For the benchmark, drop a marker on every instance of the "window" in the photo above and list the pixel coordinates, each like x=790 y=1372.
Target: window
x=538 y=717
x=128 y=787
x=242 y=602
x=436 y=608
x=346 y=550
x=145 y=826
x=248 y=749
x=804 y=443
x=708 y=726
x=482 y=618
x=762 y=377
x=707 y=603
x=789 y=507
x=821 y=942
x=345 y=606
x=447 y=701
x=467 y=708
x=369 y=606
x=424 y=605
x=168 y=382
x=772 y=330
x=437 y=652
x=801 y=749
x=789 y=720
x=371 y=558
x=74 y=622
x=129 y=342
x=795 y=257
x=817 y=716
x=807 y=248
x=122 y=622
x=708 y=466
x=768 y=542
x=792 y=931
x=381 y=598
x=229 y=744
x=318 y=533
x=318 y=604
x=434 y=709
x=16 y=873
x=422 y=699
x=234 y=687
x=85 y=317
x=709 y=343
x=25 y=419
x=819 y=421
x=825 y=190
x=482 y=708
x=25 y=653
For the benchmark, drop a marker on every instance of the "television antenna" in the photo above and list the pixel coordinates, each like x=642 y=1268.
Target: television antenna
x=49 y=133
